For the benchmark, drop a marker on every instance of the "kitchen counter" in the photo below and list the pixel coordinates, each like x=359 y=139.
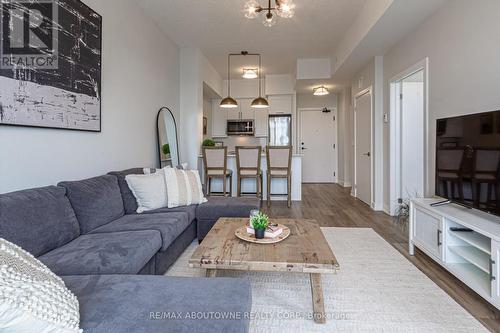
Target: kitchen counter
x=278 y=185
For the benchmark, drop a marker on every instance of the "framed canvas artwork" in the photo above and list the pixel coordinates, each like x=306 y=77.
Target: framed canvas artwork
x=50 y=65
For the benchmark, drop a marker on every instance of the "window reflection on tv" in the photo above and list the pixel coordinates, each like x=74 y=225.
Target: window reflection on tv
x=468 y=160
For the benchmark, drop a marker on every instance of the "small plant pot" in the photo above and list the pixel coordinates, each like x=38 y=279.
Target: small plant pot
x=259 y=233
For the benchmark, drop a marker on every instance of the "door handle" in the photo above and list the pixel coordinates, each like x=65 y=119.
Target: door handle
x=439 y=243
x=303 y=148
x=367 y=154
x=492 y=277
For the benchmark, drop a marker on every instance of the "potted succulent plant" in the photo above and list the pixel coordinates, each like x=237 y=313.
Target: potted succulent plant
x=259 y=223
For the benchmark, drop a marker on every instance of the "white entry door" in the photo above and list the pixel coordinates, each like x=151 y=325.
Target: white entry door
x=363 y=147
x=318 y=145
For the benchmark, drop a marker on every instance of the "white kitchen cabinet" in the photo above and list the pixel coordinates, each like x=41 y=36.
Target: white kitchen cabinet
x=219 y=120
x=233 y=113
x=280 y=104
x=261 y=123
x=246 y=110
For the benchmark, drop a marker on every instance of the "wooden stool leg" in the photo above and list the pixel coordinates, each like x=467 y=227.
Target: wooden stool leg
x=257 y=187
x=238 y=186
x=289 y=190
x=224 y=185
x=231 y=185
x=268 y=190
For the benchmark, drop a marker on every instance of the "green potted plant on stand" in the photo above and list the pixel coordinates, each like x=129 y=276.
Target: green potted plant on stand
x=166 y=150
x=259 y=222
x=208 y=143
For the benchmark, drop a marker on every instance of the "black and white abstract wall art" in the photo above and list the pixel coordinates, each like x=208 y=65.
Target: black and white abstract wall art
x=50 y=64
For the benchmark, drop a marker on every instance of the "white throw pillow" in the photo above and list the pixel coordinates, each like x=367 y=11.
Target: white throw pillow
x=32 y=298
x=149 y=191
x=183 y=187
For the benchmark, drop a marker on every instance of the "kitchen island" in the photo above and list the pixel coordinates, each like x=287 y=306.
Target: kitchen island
x=278 y=186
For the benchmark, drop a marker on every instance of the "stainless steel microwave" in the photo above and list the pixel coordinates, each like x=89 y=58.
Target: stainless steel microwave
x=240 y=127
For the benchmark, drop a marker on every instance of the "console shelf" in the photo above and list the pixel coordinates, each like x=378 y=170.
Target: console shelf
x=474 y=256
x=476 y=279
x=475 y=239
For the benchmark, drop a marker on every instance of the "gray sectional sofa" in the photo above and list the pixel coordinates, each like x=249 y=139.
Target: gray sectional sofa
x=88 y=233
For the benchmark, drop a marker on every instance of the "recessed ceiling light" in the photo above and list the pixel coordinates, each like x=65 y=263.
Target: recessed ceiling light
x=320 y=91
x=250 y=73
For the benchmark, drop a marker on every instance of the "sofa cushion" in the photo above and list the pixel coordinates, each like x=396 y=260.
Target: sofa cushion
x=209 y=212
x=139 y=304
x=38 y=220
x=170 y=225
x=129 y=202
x=190 y=210
x=96 y=201
x=109 y=253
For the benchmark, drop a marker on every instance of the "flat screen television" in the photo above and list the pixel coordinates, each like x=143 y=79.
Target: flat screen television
x=468 y=160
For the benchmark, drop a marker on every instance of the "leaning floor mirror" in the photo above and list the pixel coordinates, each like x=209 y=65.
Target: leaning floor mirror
x=168 y=147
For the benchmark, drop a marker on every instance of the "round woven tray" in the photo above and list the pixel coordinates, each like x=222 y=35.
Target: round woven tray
x=242 y=233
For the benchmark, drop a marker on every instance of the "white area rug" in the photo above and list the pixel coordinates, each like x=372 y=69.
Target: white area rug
x=376 y=290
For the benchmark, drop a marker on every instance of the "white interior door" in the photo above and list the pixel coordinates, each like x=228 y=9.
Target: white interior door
x=318 y=145
x=363 y=147
x=412 y=136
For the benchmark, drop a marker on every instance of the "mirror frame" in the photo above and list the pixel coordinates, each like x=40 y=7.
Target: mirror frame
x=164 y=108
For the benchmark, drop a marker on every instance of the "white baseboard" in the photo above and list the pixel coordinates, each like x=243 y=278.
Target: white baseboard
x=344 y=183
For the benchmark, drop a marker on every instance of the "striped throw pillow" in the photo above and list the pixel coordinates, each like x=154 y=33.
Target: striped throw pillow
x=183 y=187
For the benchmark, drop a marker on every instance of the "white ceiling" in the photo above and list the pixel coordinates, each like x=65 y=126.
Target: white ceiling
x=218 y=27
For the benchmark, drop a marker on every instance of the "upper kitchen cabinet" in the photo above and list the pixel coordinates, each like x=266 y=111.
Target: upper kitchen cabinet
x=219 y=120
x=246 y=111
x=261 y=123
x=234 y=113
x=280 y=104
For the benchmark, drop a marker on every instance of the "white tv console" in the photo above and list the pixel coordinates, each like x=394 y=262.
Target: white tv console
x=473 y=257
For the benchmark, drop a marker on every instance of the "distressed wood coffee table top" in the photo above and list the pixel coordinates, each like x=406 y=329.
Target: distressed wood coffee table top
x=304 y=251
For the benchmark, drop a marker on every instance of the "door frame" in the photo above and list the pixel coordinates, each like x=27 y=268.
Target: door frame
x=354 y=193
x=395 y=135
x=301 y=111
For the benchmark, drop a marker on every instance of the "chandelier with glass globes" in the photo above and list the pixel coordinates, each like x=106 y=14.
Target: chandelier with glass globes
x=282 y=8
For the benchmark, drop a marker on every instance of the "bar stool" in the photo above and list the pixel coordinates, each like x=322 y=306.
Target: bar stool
x=279 y=165
x=215 y=165
x=248 y=166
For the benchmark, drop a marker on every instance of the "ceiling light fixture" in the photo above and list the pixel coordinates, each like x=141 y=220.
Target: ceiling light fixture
x=320 y=91
x=282 y=8
x=229 y=102
x=250 y=73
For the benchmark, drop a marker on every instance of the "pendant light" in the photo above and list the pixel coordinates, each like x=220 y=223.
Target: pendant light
x=260 y=102
x=228 y=102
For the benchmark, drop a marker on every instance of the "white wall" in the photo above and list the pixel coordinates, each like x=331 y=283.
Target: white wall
x=462 y=42
x=344 y=104
x=195 y=71
x=310 y=101
x=140 y=73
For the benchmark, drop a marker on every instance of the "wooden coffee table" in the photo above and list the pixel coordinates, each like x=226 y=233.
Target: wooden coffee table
x=304 y=251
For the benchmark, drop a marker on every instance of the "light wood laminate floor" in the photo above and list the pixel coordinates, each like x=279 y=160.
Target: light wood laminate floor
x=333 y=206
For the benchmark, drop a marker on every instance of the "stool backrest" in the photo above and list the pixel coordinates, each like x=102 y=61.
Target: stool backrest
x=279 y=158
x=215 y=158
x=248 y=158
x=487 y=160
x=450 y=159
